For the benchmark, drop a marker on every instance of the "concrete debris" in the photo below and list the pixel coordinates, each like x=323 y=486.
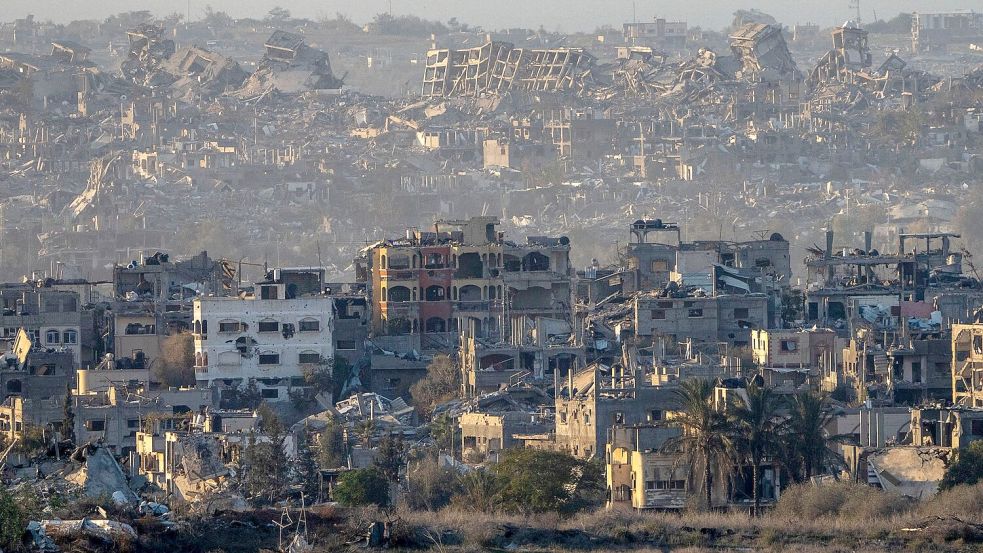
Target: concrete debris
x=910 y=471
x=153 y=508
x=289 y=66
x=45 y=532
x=101 y=476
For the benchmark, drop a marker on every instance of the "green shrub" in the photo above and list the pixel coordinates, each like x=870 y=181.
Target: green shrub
x=967 y=469
x=13 y=521
x=361 y=487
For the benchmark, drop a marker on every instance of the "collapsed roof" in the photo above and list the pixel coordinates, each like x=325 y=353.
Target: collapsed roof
x=290 y=66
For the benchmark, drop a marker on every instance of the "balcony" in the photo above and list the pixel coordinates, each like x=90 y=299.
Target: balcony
x=401 y=309
x=478 y=306
x=402 y=274
x=471 y=306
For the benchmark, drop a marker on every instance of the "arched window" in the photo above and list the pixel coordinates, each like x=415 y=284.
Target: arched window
x=383 y=262
x=70 y=337
x=399 y=293
x=469 y=293
x=435 y=324
x=535 y=261
x=309 y=324
x=52 y=337
x=309 y=357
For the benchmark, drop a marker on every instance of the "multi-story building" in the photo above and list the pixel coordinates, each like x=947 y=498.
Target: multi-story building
x=658 y=32
x=967 y=365
x=33 y=384
x=431 y=286
x=603 y=397
x=115 y=417
x=639 y=474
x=708 y=319
x=52 y=318
x=656 y=251
x=795 y=348
x=936 y=30
x=269 y=338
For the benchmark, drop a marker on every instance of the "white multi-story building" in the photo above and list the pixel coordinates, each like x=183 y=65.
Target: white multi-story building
x=270 y=338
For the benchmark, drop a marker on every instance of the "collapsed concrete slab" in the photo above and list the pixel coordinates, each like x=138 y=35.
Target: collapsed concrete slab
x=101 y=476
x=290 y=66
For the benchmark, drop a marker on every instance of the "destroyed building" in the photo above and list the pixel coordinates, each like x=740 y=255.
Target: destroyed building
x=431 y=286
x=113 y=418
x=499 y=67
x=52 y=318
x=290 y=66
x=35 y=382
x=598 y=398
x=659 y=33
x=967 y=365
x=639 y=474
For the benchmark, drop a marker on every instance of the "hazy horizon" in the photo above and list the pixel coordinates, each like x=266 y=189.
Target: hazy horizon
x=568 y=16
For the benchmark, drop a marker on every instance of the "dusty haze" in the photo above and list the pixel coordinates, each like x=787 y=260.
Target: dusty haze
x=567 y=15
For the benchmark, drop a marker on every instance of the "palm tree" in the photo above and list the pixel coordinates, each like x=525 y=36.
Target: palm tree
x=757 y=428
x=365 y=429
x=807 y=440
x=706 y=441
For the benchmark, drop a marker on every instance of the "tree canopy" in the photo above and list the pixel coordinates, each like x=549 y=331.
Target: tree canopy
x=362 y=487
x=535 y=481
x=967 y=469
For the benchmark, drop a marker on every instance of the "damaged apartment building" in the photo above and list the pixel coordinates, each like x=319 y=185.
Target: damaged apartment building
x=895 y=310
x=34 y=382
x=507 y=305
x=431 y=286
x=711 y=292
x=268 y=338
x=498 y=67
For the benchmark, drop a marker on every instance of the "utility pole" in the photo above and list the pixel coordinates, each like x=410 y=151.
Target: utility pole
x=855 y=4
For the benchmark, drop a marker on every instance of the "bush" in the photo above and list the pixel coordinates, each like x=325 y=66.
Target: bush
x=547 y=481
x=13 y=521
x=478 y=491
x=968 y=468
x=963 y=501
x=841 y=499
x=442 y=383
x=362 y=487
x=430 y=486
x=176 y=365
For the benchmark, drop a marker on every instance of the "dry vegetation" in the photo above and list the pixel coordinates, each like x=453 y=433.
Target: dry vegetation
x=839 y=517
